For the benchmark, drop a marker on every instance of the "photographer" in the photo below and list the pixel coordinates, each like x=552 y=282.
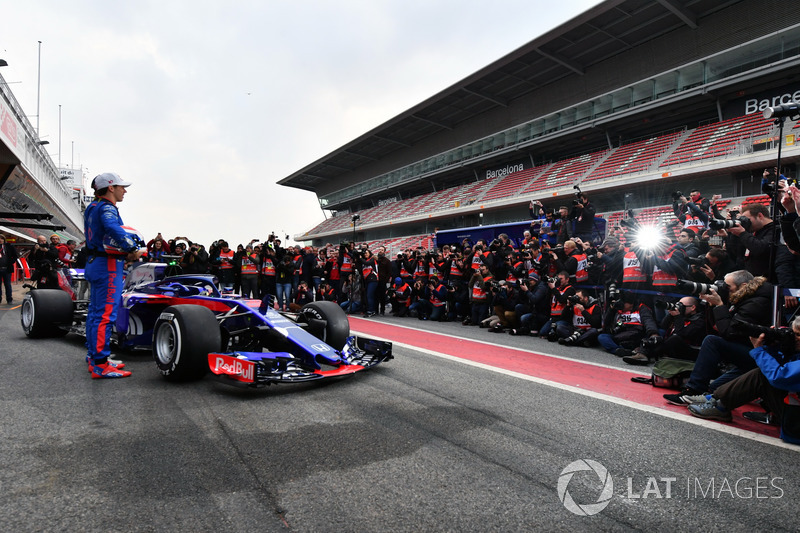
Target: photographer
x=716 y=264
x=268 y=271
x=626 y=324
x=533 y=307
x=587 y=319
x=683 y=327
x=402 y=298
x=694 y=213
x=195 y=260
x=778 y=371
x=384 y=278
x=583 y=214
x=304 y=296
x=560 y=291
x=368 y=265
x=504 y=299
x=609 y=257
x=478 y=288
x=346 y=261
x=750 y=301
x=755 y=232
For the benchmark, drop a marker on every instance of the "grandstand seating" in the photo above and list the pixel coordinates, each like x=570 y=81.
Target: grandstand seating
x=510 y=185
x=564 y=173
x=712 y=140
x=718 y=139
x=634 y=157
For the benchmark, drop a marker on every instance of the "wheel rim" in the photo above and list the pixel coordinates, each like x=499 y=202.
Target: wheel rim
x=165 y=343
x=27 y=314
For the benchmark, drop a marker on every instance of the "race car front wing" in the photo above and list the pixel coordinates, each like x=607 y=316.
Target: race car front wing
x=258 y=369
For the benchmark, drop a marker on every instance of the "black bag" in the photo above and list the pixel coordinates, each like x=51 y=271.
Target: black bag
x=669 y=373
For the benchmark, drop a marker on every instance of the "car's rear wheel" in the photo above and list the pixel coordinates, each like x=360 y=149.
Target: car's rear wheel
x=46 y=313
x=183 y=336
x=328 y=322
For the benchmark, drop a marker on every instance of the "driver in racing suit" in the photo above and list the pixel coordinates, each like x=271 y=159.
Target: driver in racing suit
x=104 y=271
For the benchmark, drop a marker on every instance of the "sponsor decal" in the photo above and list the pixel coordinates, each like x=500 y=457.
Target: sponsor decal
x=238 y=369
x=320 y=347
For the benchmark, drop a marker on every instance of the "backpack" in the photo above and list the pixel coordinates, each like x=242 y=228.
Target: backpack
x=668 y=373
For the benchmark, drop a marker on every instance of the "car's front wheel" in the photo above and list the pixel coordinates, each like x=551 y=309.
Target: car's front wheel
x=46 y=313
x=183 y=336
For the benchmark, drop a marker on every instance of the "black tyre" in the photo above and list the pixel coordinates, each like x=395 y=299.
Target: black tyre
x=46 y=313
x=328 y=322
x=183 y=336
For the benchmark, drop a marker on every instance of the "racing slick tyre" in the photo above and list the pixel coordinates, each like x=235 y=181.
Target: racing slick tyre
x=335 y=329
x=46 y=313
x=183 y=336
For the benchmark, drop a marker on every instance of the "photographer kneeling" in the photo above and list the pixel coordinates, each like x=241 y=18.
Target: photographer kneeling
x=587 y=319
x=627 y=323
x=684 y=328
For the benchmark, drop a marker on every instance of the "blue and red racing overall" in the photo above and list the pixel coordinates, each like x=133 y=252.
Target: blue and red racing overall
x=107 y=243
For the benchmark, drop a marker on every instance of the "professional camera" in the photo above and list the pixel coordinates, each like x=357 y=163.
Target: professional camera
x=549 y=279
x=742 y=221
x=697 y=261
x=693 y=287
x=676 y=195
x=670 y=306
x=629 y=222
x=652 y=342
x=613 y=292
x=782 y=335
x=574 y=299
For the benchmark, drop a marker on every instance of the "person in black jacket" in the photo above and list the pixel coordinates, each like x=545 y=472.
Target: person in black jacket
x=683 y=327
x=8 y=259
x=626 y=324
x=751 y=302
x=583 y=214
x=757 y=239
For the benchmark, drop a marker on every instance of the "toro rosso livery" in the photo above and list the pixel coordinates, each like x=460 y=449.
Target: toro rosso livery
x=192 y=329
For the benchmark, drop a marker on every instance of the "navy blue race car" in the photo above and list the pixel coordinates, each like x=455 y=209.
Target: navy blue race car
x=193 y=329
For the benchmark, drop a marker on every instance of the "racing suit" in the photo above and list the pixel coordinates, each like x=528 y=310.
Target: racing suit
x=104 y=272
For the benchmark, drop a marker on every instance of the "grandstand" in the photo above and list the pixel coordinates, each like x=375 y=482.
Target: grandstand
x=629 y=101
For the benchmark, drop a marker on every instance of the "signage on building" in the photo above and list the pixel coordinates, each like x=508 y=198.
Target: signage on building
x=506 y=169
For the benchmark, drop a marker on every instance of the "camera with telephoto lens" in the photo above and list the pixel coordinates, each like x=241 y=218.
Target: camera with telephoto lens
x=694 y=287
x=613 y=292
x=742 y=221
x=670 y=306
x=784 y=336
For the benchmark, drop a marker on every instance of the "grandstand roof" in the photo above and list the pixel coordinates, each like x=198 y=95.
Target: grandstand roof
x=604 y=31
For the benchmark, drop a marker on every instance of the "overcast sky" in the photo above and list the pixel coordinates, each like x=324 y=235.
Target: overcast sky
x=205 y=105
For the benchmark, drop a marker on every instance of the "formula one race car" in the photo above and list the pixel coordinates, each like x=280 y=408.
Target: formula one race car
x=192 y=328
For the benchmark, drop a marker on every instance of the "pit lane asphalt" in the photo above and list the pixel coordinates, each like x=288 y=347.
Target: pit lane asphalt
x=418 y=444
